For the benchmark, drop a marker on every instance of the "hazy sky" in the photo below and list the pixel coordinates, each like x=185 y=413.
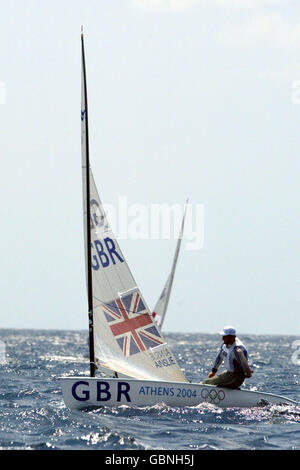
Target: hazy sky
x=187 y=98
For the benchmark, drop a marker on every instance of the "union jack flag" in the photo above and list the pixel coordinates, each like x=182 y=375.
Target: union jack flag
x=131 y=324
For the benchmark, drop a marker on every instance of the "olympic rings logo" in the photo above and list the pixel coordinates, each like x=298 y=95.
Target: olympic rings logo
x=212 y=396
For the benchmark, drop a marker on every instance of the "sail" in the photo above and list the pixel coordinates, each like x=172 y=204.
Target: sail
x=161 y=306
x=126 y=338
x=2 y=352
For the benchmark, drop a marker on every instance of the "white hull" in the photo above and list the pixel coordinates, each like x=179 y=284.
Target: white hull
x=85 y=392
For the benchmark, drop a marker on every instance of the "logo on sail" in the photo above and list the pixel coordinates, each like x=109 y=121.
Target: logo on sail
x=82 y=114
x=131 y=324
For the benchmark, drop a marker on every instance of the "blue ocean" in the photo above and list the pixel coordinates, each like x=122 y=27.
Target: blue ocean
x=33 y=415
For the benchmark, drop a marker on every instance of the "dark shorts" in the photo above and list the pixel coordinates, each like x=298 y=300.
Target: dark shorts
x=226 y=379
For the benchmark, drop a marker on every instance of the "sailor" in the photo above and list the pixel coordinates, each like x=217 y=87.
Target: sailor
x=235 y=357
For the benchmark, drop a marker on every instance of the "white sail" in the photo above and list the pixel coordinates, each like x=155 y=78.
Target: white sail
x=161 y=306
x=126 y=339
x=2 y=352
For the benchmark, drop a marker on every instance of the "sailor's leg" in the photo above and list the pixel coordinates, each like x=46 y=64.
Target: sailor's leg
x=237 y=381
x=222 y=379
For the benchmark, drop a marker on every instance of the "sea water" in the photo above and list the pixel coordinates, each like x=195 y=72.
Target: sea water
x=33 y=414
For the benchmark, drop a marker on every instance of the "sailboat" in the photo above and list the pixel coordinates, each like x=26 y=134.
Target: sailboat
x=161 y=306
x=2 y=352
x=123 y=336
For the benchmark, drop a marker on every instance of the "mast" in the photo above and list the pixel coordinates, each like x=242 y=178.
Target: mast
x=88 y=219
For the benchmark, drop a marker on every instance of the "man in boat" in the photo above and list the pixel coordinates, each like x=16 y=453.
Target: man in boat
x=235 y=355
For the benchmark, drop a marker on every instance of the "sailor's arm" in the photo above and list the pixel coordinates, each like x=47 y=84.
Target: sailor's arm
x=248 y=372
x=218 y=362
